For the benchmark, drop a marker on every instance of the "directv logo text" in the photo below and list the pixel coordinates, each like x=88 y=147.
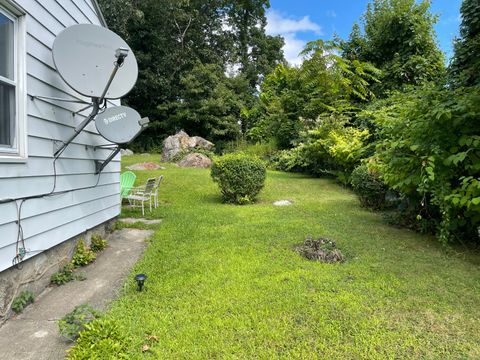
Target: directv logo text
x=115 y=118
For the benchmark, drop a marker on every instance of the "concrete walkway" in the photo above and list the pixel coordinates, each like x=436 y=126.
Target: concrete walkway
x=34 y=333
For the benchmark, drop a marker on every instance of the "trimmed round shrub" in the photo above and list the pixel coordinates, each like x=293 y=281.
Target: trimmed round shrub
x=239 y=176
x=369 y=188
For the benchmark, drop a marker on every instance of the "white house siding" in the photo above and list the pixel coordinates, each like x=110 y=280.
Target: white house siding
x=49 y=221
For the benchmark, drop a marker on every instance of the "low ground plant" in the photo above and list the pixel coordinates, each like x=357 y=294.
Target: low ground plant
x=83 y=254
x=74 y=322
x=101 y=339
x=98 y=243
x=24 y=299
x=63 y=276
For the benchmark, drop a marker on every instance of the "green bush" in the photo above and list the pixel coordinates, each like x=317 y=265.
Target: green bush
x=98 y=243
x=63 y=276
x=429 y=150
x=74 y=322
x=369 y=188
x=240 y=177
x=83 y=255
x=101 y=339
x=262 y=150
x=22 y=300
x=289 y=160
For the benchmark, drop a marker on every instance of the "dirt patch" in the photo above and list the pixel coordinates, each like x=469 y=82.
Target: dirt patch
x=145 y=166
x=321 y=249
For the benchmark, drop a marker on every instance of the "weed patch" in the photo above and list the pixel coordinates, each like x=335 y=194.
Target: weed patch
x=321 y=249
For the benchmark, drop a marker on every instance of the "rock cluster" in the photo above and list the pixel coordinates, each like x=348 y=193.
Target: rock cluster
x=181 y=142
x=195 y=160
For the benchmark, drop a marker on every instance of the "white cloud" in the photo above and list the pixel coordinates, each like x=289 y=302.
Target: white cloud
x=288 y=27
x=277 y=24
x=292 y=48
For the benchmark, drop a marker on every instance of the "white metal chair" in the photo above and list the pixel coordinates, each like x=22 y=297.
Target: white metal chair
x=155 y=191
x=142 y=195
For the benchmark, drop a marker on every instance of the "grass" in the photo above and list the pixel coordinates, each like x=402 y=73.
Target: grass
x=224 y=281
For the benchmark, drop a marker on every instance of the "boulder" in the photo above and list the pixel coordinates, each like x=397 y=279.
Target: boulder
x=195 y=160
x=181 y=142
x=126 y=152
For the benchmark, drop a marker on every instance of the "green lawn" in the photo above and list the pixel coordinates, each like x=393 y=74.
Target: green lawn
x=223 y=281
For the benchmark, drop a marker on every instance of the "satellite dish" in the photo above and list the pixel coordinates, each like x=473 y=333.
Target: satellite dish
x=119 y=124
x=84 y=56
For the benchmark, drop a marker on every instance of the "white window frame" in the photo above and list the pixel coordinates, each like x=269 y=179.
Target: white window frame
x=18 y=152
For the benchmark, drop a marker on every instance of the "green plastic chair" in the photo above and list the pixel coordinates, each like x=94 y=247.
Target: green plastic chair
x=127 y=179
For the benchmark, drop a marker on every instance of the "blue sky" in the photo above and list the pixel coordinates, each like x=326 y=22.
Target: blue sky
x=300 y=21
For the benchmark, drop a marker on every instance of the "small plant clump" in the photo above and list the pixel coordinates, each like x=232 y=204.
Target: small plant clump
x=22 y=300
x=321 y=249
x=83 y=255
x=74 y=322
x=100 y=339
x=98 y=243
x=63 y=276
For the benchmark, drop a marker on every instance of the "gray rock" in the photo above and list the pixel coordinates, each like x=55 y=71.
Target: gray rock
x=195 y=160
x=126 y=152
x=283 y=203
x=181 y=142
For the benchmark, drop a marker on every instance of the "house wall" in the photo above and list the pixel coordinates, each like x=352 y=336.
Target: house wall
x=49 y=221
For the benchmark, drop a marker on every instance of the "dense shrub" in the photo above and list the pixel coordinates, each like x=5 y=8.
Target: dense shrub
x=429 y=150
x=289 y=160
x=100 y=339
x=333 y=147
x=369 y=188
x=240 y=177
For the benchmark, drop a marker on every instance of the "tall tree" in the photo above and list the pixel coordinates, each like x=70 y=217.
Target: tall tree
x=170 y=38
x=255 y=52
x=399 y=39
x=465 y=67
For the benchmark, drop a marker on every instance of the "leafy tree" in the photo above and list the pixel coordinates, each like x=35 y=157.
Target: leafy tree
x=399 y=39
x=255 y=52
x=465 y=67
x=292 y=99
x=210 y=107
x=171 y=37
x=430 y=152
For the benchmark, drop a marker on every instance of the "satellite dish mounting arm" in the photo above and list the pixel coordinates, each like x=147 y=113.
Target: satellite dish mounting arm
x=100 y=165
x=120 y=54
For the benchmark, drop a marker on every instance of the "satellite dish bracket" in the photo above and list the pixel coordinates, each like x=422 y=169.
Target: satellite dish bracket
x=100 y=165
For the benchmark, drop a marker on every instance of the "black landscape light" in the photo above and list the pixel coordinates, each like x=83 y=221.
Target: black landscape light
x=140 y=279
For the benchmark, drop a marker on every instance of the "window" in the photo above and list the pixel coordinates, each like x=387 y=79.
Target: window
x=12 y=84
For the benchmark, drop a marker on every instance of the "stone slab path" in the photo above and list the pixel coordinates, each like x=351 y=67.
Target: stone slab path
x=34 y=333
